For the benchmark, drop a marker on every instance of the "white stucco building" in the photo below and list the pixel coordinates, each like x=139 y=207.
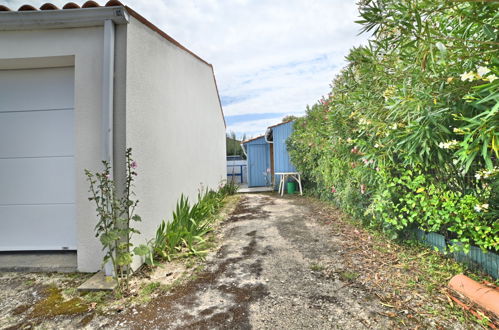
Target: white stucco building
x=79 y=85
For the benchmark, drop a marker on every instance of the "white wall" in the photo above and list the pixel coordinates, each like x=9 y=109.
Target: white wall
x=85 y=46
x=174 y=125
x=166 y=108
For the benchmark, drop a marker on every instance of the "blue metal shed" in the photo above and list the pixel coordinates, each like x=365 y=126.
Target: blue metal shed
x=268 y=154
x=280 y=133
x=258 y=153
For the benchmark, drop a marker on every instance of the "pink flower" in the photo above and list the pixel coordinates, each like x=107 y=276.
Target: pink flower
x=133 y=165
x=108 y=176
x=363 y=188
x=355 y=150
x=333 y=189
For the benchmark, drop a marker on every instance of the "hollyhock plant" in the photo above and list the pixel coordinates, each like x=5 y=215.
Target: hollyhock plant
x=115 y=215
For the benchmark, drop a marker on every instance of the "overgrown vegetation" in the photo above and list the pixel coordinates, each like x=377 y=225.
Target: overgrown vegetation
x=185 y=234
x=408 y=136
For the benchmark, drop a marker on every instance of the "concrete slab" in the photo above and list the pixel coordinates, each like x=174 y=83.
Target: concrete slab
x=245 y=189
x=38 y=261
x=98 y=282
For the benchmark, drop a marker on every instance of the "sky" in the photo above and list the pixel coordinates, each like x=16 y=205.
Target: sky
x=272 y=58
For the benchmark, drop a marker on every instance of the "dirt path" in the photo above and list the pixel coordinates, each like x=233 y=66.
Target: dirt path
x=267 y=275
x=282 y=263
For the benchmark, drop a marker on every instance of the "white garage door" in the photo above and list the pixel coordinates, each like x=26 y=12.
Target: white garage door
x=37 y=176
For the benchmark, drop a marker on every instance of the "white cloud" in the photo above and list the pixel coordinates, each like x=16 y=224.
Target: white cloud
x=253 y=128
x=274 y=56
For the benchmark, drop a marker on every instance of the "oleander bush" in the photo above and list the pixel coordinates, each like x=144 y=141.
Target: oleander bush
x=408 y=136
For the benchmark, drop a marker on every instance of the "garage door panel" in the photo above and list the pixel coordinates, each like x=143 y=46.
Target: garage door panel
x=47 y=227
x=37 y=180
x=36 y=89
x=36 y=134
x=37 y=168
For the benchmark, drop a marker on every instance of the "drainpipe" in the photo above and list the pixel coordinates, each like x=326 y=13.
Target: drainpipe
x=107 y=105
x=107 y=92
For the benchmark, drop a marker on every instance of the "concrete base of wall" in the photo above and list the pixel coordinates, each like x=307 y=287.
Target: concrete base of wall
x=245 y=189
x=98 y=282
x=53 y=261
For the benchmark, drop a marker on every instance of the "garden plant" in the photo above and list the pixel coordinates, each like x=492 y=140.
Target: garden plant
x=116 y=212
x=185 y=234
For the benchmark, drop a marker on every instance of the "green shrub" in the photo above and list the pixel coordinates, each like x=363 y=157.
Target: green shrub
x=408 y=136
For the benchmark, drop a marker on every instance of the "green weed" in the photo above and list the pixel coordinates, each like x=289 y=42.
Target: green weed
x=316 y=267
x=348 y=276
x=96 y=296
x=150 y=288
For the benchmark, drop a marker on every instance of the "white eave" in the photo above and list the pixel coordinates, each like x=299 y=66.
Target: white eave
x=62 y=18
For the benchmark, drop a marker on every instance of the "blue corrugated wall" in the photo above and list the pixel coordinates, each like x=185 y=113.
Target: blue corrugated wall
x=258 y=152
x=282 y=163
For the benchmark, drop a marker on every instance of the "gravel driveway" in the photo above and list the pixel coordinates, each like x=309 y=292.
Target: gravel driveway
x=268 y=274
x=281 y=263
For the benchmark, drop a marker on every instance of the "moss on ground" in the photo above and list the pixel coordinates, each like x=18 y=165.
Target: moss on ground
x=54 y=304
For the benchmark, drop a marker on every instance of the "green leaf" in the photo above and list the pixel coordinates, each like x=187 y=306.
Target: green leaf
x=109 y=238
x=124 y=259
x=489 y=31
x=141 y=250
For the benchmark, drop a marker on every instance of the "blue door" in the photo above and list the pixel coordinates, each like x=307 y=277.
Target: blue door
x=259 y=165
